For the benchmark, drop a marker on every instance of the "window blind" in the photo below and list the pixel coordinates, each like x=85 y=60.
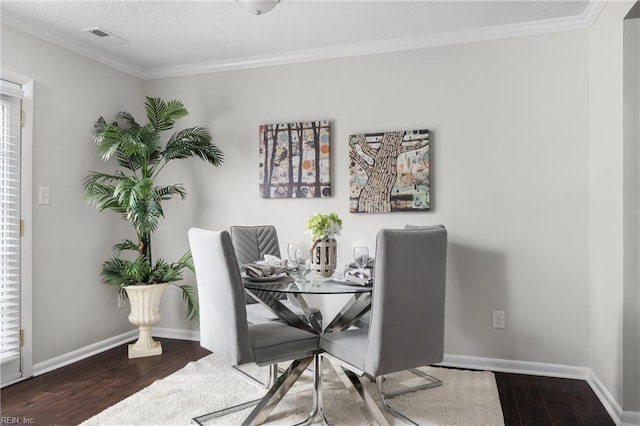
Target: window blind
x=9 y=226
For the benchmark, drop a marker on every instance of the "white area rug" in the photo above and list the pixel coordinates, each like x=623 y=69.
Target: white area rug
x=466 y=398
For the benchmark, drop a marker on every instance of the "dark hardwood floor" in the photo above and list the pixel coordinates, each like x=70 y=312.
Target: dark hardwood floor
x=72 y=394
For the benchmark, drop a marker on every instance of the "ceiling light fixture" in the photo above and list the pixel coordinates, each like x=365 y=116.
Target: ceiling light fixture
x=258 y=7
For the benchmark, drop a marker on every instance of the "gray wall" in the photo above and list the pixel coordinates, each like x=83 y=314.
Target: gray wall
x=608 y=197
x=71 y=308
x=509 y=123
x=631 y=290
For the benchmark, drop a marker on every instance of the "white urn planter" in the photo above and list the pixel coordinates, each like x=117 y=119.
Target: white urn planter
x=145 y=311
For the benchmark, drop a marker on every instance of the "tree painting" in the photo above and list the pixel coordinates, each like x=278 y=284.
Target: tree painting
x=389 y=172
x=294 y=160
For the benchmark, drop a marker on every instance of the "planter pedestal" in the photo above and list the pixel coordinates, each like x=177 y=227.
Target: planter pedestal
x=145 y=311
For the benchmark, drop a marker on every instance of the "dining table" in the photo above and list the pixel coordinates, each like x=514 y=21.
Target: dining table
x=269 y=291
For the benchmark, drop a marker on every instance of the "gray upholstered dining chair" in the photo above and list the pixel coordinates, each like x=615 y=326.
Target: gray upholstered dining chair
x=407 y=315
x=251 y=243
x=224 y=329
x=363 y=321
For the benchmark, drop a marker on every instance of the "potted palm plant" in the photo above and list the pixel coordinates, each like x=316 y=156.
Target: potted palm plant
x=132 y=192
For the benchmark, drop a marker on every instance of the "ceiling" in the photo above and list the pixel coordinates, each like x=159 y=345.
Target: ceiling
x=155 y=39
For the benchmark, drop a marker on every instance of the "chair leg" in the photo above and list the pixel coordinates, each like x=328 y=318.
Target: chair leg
x=432 y=382
x=353 y=384
x=285 y=382
x=273 y=375
x=267 y=403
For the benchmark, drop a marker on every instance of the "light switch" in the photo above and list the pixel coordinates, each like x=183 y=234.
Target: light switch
x=44 y=195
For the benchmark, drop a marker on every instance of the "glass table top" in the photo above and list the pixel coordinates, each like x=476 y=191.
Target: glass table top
x=313 y=285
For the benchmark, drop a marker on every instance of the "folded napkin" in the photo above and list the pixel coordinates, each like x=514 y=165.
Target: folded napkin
x=355 y=276
x=259 y=270
x=272 y=260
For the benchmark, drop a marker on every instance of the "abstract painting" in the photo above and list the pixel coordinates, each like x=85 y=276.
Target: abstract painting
x=389 y=172
x=294 y=160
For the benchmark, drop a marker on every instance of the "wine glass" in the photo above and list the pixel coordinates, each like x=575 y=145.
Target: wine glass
x=291 y=252
x=302 y=260
x=360 y=256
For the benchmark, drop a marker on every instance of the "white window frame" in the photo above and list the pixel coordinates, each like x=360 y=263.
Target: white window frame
x=26 y=248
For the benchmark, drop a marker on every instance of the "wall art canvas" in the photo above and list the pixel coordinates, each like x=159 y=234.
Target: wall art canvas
x=294 y=160
x=389 y=172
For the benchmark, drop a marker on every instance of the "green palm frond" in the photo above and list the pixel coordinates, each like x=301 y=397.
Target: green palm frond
x=145 y=214
x=98 y=127
x=130 y=162
x=195 y=141
x=186 y=261
x=108 y=139
x=167 y=192
x=151 y=144
x=191 y=299
x=133 y=142
x=142 y=203
x=127 y=118
x=124 y=245
x=120 y=272
x=102 y=194
x=163 y=115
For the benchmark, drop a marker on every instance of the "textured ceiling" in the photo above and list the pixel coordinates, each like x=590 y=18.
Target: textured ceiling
x=182 y=37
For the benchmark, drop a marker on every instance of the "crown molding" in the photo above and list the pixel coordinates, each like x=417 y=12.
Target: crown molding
x=387 y=46
x=87 y=53
x=360 y=49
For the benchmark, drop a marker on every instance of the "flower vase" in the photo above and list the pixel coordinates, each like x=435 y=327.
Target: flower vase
x=145 y=311
x=324 y=256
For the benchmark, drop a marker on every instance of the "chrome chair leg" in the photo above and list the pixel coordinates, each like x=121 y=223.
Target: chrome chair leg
x=285 y=382
x=432 y=382
x=353 y=384
x=265 y=405
x=273 y=375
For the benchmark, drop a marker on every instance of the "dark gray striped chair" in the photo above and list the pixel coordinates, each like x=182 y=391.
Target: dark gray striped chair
x=251 y=243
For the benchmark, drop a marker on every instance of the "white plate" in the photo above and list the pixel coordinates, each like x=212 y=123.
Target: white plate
x=350 y=282
x=275 y=277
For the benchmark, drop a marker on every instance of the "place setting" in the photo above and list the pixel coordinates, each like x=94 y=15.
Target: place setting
x=269 y=270
x=359 y=272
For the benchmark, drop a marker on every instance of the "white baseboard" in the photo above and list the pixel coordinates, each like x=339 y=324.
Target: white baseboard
x=82 y=353
x=623 y=418
x=175 y=333
x=630 y=418
x=613 y=408
x=521 y=367
x=104 y=345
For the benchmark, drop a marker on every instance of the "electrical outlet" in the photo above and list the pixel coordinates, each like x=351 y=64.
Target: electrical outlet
x=498 y=319
x=122 y=302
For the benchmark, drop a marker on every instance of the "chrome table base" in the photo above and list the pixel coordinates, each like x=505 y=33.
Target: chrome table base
x=317 y=411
